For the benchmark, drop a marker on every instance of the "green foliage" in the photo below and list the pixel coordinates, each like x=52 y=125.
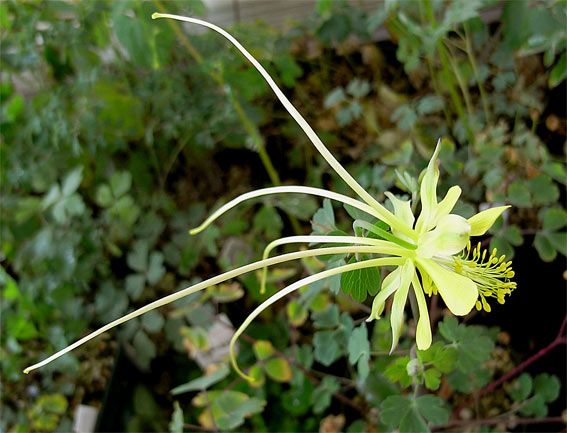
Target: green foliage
x=412 y=414
x=361 y=282
x=202 y=382
x=531 y=396
x=116 y=138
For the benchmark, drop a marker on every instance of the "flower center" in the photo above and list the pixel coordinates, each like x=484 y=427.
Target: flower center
x=491 y=274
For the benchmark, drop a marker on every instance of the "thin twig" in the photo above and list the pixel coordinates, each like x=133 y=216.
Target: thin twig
x=498 y=420
x=560 y=339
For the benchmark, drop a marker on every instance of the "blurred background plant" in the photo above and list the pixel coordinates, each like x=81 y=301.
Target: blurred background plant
x=119 y=133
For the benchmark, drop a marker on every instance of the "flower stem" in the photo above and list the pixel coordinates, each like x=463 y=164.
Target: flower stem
x=560 y=339
x=282 y=190
x=385 y=214
x=382 y=247
x=387 y=261
x=200 y=286
x=249 y=126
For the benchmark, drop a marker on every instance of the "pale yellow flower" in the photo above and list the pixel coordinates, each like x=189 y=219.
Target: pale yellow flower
x=425 y=253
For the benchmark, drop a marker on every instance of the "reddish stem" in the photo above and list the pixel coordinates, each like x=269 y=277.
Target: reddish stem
x=561 y=338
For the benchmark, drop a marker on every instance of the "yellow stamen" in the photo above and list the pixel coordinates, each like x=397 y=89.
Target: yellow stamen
x=491 y=274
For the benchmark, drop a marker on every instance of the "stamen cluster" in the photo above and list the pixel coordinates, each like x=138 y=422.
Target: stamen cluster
x=491 y=274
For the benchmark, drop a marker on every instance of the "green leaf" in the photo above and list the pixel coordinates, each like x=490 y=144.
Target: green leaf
x=440 y=356
x=534 y=406
x=153 y=321
x=397 y=371
x=554 y=218
x=394 y=409
x=145 y=349
x=135 y=284
x=358 y=343
x=177 y=420
x=430 y=104
x=103 y=196
x=543 y=190
x=323 y=220
x=334 y=30
x=324 y=7
x=11 y=290
x=203 y=382
x=519 y=194
x=54 y=403
x=472 y=345
x=297 y=400
x=137 y=258
x=120 y=183
x=547 y=386
x=358 y=426
x=559 y=72
x=13 y=108
x=269 y=221
x=156 y=270
x=263 y=349
x=521 y=388
x=361 y=282
x=358 y=88
x=467 y=382
x=72 y=181
x=296 y=312
x=321 y=397
x=230 y=408
x=432 y=378
x=20 y=328
x=328 y=318
x=130 y=32
x=405 y=117
x=359 y=350
x=398 y=411
x=289 y=69
x=556 y=170
x=278 y=369
x=327 y=349
x=559 y=241
x=544 y=247
x=226 y=292
x=433 y=409
x=256 y=372
x=513 y=234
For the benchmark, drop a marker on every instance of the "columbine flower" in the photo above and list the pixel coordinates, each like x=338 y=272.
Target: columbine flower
x=432 y=255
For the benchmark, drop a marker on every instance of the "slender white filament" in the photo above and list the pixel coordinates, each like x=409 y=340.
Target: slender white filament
x=382 y=247
x=282 y=190
x=200 y=286
x=386 y=261
x=385 y=214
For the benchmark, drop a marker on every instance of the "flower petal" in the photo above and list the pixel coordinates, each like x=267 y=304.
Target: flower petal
x=446 y=205
x=428 y=193
x=423 y=330
x=397 y=315
x=482 y=221
x=449 y=237
x=459 y=293
x=389 y=285
x=402 y=209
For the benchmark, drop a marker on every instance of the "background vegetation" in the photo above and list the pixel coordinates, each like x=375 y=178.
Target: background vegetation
x=119 y=133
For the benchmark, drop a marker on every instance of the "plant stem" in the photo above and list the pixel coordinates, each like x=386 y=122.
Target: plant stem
x=461 y=82
x=455 y=98
x=560 y=339
x=498 y=420
x=234 y=273
x=249 y=126
x=472 y=60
